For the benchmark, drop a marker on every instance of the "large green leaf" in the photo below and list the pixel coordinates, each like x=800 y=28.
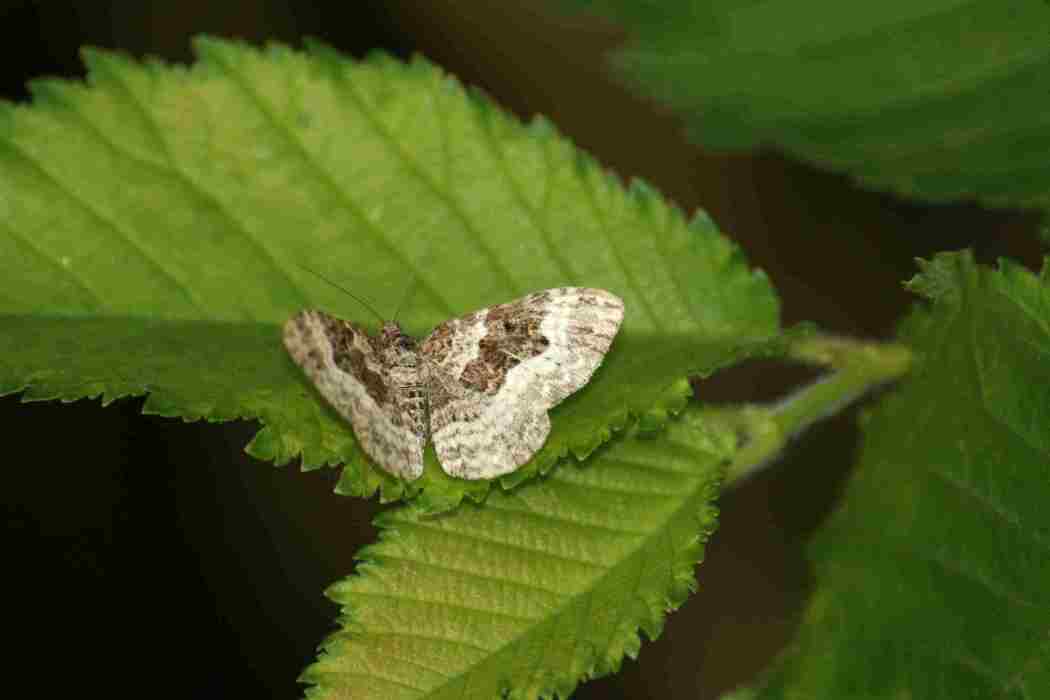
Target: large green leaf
x=939 y=99
x=161 y=218
x=934 y=574
x=537 y=589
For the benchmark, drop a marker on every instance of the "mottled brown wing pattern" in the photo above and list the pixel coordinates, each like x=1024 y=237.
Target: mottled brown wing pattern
x=373 y=382
x=491 y=376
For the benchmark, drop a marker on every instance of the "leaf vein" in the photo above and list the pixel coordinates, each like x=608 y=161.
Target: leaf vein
x=990 y=506
x=563 y=521
x=1037 y=654
x=605 y=488
x=672 y=269
x=54 y=264
x=373 y=676
x=423 y=637
x=979 y=667
x=630 y=597
x=475 y=574
x=173 y=166
x=500 y=543
x=545 y=234
x=539 y=660
x=658 y=468
x=442 y=604
x=603 y=225
x=415 y=169
x=997 y=590
x=412 y=662
x=325 y=177
x=101 y=219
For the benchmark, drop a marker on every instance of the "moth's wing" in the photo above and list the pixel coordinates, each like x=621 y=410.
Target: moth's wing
x=493 y=375
x=347 y=366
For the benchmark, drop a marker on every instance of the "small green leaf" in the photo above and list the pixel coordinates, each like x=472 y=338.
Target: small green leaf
x=161 y=217
x=933 y=578
x=937 y=99
x=538 y=589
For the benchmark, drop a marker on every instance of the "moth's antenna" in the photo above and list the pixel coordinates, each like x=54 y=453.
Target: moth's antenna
x=408 y=295
x=346 y=291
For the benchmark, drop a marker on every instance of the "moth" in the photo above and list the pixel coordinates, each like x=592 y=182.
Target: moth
x=479 y=386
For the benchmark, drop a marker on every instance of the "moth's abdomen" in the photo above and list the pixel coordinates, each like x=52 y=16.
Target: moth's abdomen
x=404 y=367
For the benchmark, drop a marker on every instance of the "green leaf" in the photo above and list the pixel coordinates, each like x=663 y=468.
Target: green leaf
x=933 y=577
x=538 y=589
x=161 y=217
x=886 y=91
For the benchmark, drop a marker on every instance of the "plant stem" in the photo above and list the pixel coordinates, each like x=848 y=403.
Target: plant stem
x=857 y=368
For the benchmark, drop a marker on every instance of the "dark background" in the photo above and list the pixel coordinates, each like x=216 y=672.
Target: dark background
x=151 y=557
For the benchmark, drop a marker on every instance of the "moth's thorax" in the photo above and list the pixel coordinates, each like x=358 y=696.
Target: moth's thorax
x=391 y=334
x=395 y=343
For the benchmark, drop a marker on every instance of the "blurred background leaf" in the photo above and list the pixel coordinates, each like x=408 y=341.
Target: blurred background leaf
x=932 y=573
x=937 y=100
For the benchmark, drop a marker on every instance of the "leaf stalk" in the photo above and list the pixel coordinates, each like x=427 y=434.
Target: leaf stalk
x=857 y=367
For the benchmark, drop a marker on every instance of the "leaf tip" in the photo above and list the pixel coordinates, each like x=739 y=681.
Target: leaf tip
x=937 y=277
x=322 y=50
x=210 y=49
x=542 y=128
